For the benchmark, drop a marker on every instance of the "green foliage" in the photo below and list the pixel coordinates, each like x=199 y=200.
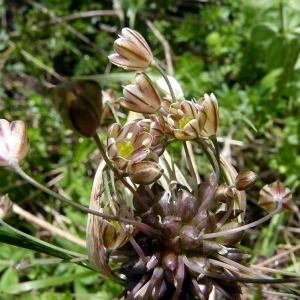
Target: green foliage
x=245 y=52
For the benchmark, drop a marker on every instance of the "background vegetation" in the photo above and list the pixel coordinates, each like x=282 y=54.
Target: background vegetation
x=245 y=52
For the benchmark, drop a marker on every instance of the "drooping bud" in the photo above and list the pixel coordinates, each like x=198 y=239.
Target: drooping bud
x=141 y=97
x=145 y=172
x=79 y=104
x=14 y=142
x=245 y=180
x=132 y=51
x=5 y=207
x=272 y=194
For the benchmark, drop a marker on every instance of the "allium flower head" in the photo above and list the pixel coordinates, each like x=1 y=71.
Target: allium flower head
x=128 y=144
x=141 y=97
x=186 y=120
x=176 y=262
x=14 y=142
x=132 y=51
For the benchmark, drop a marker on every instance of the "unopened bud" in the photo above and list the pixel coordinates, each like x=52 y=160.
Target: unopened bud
x=186 y=205
x=14 y=142
x=190 y=237
x=141 y=97
x=224 y=194
x=245 y=180
x=132 y=51
x=145 y=172
x=230 y=239
x=170 y=226
x=5 y=207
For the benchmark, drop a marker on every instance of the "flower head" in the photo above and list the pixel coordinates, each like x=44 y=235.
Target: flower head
x=186 y=120
x=14 y=142
x=128 y=144
x=132 y=51
x=141 y=97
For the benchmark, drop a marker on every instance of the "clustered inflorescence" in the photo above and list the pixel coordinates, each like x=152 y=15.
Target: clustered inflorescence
x=160 y=234
x=184 y=242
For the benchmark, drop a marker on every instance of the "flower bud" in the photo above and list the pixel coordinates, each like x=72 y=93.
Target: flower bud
x=210 y=108
x=14 y=142
x=170 y=226
x=230 y=239
x=145 y=172
x=5 y=207
x=79 y=104
x=245 y=180
x=236 y=254
x=223 y=194
x=132 y=51
x=190 y=237
x=151 y=219
x=141 y=97
x=273 y=193
x=164 y=205
x=186 y=205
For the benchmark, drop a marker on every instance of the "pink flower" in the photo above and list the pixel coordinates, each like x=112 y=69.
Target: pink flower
x=14 y=143
x=132 y=51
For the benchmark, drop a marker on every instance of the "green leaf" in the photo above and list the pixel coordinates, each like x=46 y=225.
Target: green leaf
x=277 y=53
x=43 y=283
x=10 y=276
x=263 y=32
x=20 y=239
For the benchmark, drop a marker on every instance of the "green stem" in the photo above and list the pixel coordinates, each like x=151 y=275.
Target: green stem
x=38 y=241
x=156 y=66
x=210 y=153
x=143 y=227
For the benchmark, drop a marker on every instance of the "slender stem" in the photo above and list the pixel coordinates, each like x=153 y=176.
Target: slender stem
x=191 y=166
x=156 y=66
x=208 y=150
x=225 y=216
x=143 y=227
x=43 y=224
x=244 y=227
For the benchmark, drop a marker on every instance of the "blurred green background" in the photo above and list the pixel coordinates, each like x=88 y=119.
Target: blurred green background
x=245 y=52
